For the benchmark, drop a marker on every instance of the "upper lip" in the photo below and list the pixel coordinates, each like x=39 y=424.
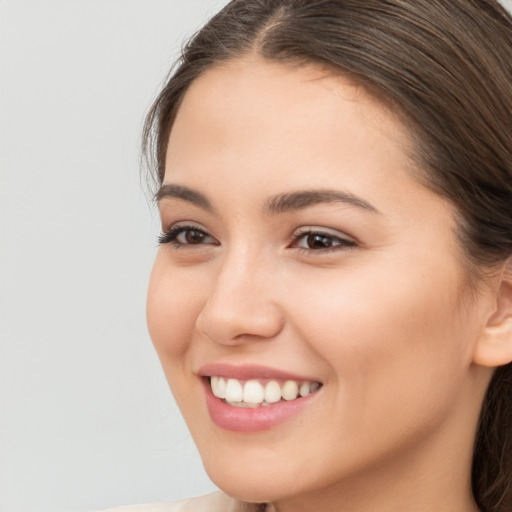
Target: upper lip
x=249 y=371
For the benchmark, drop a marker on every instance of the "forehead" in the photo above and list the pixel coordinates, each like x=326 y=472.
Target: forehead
x=256 y=118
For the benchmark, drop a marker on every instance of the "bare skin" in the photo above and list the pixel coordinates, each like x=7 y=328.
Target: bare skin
x=365 y=293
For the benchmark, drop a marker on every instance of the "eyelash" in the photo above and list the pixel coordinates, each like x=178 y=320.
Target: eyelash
x=171 y=237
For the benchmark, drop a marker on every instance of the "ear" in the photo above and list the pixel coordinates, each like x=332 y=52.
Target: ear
x=494 y=348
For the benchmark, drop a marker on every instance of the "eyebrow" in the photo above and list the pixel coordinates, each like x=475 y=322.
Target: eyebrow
x=185 y=193
x=280 y=203
x=306 y=198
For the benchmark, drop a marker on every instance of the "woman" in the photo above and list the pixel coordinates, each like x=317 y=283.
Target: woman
x=331 y=301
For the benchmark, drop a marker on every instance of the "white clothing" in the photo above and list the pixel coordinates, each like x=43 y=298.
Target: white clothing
x=214 y=502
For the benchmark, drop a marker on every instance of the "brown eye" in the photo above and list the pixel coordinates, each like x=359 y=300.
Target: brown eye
x=191 y=236
x=316 y=241
x=181 y=236
x=321 y=241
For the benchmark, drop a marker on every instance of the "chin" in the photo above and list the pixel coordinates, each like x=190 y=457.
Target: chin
x=256 y=483
x=250 y=490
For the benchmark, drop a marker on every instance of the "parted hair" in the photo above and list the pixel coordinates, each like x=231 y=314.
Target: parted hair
x=444 y=66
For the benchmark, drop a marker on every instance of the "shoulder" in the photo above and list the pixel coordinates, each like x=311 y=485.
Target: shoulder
x=214 y=502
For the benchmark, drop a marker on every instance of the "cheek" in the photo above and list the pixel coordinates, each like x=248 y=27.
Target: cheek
x=384 y=332
x=173 y=303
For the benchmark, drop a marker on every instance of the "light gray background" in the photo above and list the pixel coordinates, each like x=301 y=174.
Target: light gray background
x=86 y=419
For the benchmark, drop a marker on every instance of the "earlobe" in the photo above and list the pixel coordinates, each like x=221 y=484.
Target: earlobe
x=494 y=347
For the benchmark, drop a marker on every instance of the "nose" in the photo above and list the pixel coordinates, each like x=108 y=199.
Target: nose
x=241 y=306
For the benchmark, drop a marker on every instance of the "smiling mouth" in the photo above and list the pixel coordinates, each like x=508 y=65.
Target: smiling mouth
x=255 y=393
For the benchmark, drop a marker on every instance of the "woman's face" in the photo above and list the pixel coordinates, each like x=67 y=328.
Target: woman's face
x=299 y=254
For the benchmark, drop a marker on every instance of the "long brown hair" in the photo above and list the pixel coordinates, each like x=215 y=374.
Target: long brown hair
x=446 y=67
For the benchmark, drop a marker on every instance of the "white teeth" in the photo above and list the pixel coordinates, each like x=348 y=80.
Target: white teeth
x=290 y=390
x=234 y=391
x=218 y=387
x=305 y=389
x=222 y=388
x=254 y=394
x=272 y=392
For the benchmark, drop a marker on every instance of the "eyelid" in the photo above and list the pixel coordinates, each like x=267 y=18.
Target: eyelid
x=324 y=231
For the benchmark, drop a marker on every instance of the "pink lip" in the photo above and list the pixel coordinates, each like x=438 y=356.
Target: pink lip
x=246 y=372
x=241 y=419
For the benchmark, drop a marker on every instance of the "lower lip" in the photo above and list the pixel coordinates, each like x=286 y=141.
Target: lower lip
x=248 y=419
